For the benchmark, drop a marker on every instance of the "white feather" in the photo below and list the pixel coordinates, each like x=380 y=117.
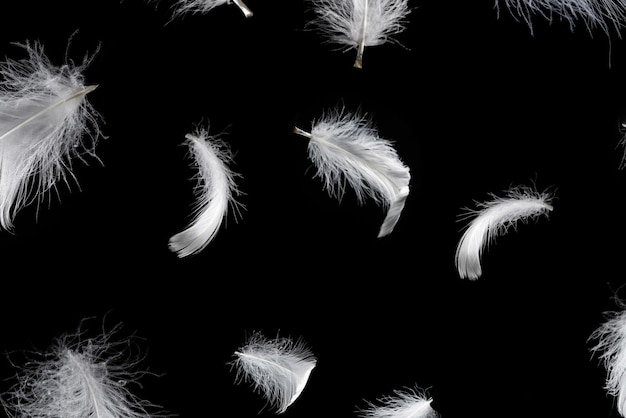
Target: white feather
x=278 y=368
x=346 y=148
x=494 y=218
x=205 y=6
x=594 y=13
x=611 y=348
x=45 y=122
x=78 y=379
x=359 y=23
x=409 y=403
x=215 y=190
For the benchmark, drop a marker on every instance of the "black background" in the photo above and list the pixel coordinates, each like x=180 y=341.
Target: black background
x=475 y=103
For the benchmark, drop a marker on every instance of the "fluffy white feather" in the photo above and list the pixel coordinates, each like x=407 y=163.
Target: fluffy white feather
x=594 y=13
x=205 y=6
x=278 y=368
x=215 y=191
x=346 y=149
x=359 y=23
x=610 y=346
x=494 y=218
x=45 y=122
x=408 y=403
x=78 y=378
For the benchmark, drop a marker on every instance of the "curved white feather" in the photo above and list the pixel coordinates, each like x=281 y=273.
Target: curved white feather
x=594 y=13
x=278 y=368
x=78 y=379
x=346 y=149
x=359 y=23
x=610 y=345
x=205 y=6
x=408 y=403
x=494 y=218
x=215 y=192
x=45 y=122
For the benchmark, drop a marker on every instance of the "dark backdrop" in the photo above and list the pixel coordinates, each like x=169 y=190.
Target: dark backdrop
x=474 y=102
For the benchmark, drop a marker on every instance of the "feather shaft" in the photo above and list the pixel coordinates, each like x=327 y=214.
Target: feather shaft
x=358 y=62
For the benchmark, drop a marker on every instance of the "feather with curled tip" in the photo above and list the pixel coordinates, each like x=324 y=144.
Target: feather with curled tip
x=408 y=403
x=610 y=346
x=79 y=379
x=494 y=218
x=205 y=6
x=45 y=122
x=359 y=23
x=346 y=148
x=215 y=190
x=593 y=13
x=278 y=368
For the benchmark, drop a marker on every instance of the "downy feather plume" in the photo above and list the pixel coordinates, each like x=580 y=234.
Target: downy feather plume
x=346 y=149
x=594 y=13
x=45 y=122
x=204 y=6
x=610 y=346
x=408 y=403
x=494 y=218
x=278 y=368
x=215 y=190
x=79 y=378
x=359 y=23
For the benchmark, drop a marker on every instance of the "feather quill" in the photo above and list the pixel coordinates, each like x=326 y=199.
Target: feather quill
x=346 y=148
x=610 y=346
x=494 y=218
x=205 y=6
x=359 y=23
x=79 y=378
x=45 y=122
x=215 y=190
x=594 y=13
x=408 y=403
x=278 y=368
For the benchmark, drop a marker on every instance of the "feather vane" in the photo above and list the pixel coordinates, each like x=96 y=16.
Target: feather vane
x=215 y=191
x=494 y=218
x=278 y=368
x=205 y=6
x=346 y=149
x=359 y=23
x=45 y=122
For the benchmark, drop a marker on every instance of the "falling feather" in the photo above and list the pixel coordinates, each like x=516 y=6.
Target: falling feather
x=215 y=190
x=494 y=218
x=205 y=6
x=593 y=13
x=408 y=403
x=45 y=122
x=79 y=378
x=610 y=347
x=278 y=368
x=346 y=149
x=359 y=23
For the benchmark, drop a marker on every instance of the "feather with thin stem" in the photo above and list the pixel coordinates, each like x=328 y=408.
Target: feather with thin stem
x=604 y=14
x=346 y=149
x=278 y=368
x=494 y=218
x=610 y=346
x=182 y=7
x=406 y=403
x=356 y=24
x=45 y=123
x=215 y=190
x=79 y=378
